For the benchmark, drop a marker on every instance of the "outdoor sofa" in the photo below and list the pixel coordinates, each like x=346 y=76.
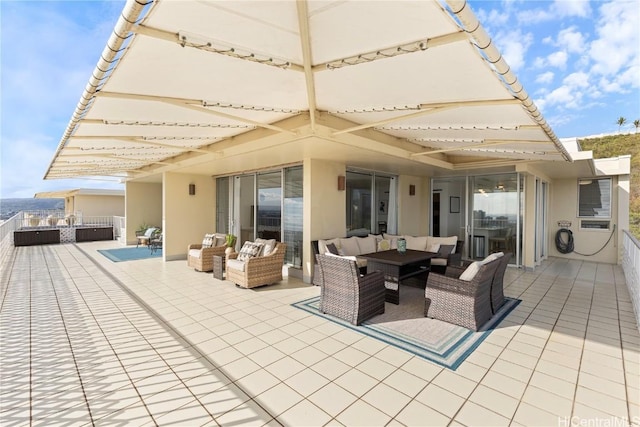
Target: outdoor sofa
x=448 y=248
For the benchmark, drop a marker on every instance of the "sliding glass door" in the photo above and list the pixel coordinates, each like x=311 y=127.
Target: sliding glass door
x=371 y=203
x=267 y=205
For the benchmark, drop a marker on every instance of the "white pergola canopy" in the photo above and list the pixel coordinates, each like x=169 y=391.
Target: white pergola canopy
x=214 y=87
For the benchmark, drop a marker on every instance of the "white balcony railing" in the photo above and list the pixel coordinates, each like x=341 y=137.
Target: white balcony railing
x=631 y=267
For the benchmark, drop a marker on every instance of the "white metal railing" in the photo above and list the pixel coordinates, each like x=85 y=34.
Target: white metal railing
x=631 y=267
x=118 y=225
x=6 y=235
x=41 y=219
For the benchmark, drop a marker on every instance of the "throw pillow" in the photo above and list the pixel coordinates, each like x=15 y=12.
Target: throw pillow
x=445 y=250
x=208 y=241
x=249 y=250
x=268 y=246
x=331 y=247
x=471 y=271
x=384 y=245
x=435 y=248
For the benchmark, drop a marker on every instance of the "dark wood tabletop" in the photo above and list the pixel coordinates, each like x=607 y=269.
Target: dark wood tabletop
x=394 y=257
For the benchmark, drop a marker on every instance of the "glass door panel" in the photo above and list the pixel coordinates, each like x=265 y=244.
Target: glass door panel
x=222 y=205
x=358 y=203
x=269 y=206
x=244 y=207
x=494 y=214
x=292 y=218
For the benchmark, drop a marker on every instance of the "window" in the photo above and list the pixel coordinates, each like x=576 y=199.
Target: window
x=594 y=198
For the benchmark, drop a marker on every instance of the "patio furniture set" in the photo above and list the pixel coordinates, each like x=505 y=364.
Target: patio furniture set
x=356 y=288
x=258 y=263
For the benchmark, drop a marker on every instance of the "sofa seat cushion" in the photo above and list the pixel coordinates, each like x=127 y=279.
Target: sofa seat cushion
x=438 y=261
x=235 y=264
x=195 y=253
x=360 y=262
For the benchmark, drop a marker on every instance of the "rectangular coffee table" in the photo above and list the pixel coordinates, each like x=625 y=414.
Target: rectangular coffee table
x=398 y=266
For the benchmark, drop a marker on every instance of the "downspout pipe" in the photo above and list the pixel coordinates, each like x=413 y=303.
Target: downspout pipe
x=470 y=24
x=110 y=55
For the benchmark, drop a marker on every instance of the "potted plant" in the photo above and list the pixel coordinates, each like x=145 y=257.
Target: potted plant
x=230 y=243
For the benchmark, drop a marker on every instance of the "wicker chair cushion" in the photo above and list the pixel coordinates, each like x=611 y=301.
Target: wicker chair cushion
x=235 y=264
x=209 y=240
x=195 y=253
x=474 y=267
x=249 y=250
x=471 y=271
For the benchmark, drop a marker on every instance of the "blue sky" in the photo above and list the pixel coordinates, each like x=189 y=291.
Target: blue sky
x=579 y=61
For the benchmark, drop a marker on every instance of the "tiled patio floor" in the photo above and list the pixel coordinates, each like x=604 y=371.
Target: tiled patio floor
x=87 y=341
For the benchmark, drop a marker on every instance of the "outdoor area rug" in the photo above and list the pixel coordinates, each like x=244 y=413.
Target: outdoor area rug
x=130 y=254
x=404 y=326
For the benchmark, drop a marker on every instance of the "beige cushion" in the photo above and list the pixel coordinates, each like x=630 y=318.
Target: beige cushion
x=367 y=244
x=417 y=243
x=349 y=246
x=492 y=257
x=360 y=262
x=471 y=271
x=438 y=261
x=235 y=264
x=435 y=247
x=195 y=253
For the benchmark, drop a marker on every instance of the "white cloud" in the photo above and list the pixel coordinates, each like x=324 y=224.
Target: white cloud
x=580 y=8
x=577 y=80
x=558 y=59
x=545 y=78
x=514 y=45
x=615 y=52
x=571 y=40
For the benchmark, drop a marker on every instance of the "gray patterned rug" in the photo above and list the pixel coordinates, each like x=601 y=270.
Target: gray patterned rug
x=404 y=326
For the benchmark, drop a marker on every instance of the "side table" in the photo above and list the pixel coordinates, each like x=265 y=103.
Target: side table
x=218 y=266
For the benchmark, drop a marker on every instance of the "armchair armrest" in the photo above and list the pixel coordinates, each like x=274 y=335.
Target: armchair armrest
x=194 y=246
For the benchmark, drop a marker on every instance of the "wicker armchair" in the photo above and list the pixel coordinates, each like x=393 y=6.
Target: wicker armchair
x=347 y=294
x=497 y=285
x=258 y=271
x=201 y=258
x=461 y=302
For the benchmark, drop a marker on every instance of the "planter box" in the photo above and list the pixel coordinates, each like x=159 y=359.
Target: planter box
x=35 y=237
x=93 y=234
